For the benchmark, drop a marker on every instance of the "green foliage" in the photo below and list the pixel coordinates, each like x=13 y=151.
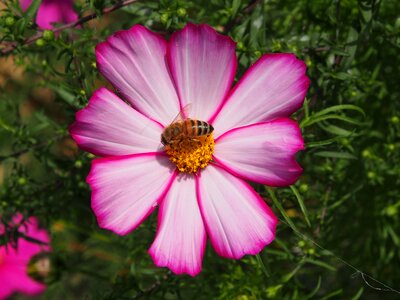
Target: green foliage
x=344 y=209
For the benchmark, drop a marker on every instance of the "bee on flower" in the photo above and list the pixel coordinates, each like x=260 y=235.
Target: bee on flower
x=199 y=181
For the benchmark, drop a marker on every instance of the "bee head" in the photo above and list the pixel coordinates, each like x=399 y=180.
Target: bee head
x=163 y=140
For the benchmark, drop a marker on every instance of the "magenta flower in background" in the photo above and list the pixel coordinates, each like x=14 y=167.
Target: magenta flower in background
x=52 y=11
x=14 y=259
x=200 y=185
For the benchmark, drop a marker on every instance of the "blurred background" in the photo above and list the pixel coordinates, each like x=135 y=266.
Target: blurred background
x=340 y=223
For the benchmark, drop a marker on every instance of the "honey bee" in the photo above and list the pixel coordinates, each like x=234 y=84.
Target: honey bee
x=183 y=127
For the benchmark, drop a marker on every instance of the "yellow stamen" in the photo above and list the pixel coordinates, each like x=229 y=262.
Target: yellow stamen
x=190 y=154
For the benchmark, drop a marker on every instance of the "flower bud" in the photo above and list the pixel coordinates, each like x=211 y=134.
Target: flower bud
x=240 y=46
x=181 y=12
x=10 y=21
x=164 y=18
x=78 y=164
x=371 y=175
x=301 y=243
x=391 y=147
x=366 y=153
x=303 y=188
x=48 y=35
x=40 y=42
x=308 y=62
x=22 y=181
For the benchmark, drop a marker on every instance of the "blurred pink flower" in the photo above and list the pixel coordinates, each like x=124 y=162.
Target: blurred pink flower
x=14 y=259
x=52 y=11
x=254 y=140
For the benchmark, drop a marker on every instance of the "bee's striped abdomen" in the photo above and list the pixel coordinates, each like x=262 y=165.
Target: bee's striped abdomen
x=186 y=128
x=200 y=128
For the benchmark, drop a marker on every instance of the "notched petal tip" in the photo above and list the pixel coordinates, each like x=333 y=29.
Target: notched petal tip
x=237 y=220
x=133 y=61
x=262 y=152
x=120 y=206
x=194 y=29
x=203 y=65
x=177 y=270
x=274 y=86
x=180 y=240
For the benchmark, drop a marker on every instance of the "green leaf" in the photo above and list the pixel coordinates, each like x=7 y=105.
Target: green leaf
x=320 y=263
x=317 y=119
x=315 y=290
x=280 y=208
x=287 y=277
x=32 y=9
x=301 y=203
x=358 y=294
x=262 y=266
x=235 y=7
x=335 y=129
x=332 y=154
x=7 y=127
x=322 y=143
x=64 y=94
x=325 y=114
x=340 y=107
x=333 y=294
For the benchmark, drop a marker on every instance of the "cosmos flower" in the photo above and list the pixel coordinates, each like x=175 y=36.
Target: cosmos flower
x=199 y=184
x=15 y=257
x=52 y=11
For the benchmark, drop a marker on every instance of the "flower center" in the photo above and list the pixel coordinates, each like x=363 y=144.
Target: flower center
x=191 y=153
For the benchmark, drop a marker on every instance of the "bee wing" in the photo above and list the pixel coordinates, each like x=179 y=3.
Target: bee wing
x=183 y=113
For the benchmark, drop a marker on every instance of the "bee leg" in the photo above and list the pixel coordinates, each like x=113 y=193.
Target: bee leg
x=196 y=140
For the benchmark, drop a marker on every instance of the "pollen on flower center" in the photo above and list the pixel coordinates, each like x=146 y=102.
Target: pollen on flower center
x=191 y=153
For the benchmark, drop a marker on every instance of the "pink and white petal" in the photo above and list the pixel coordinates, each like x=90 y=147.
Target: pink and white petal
x=203 y=65
x=262 y=152
x=24 y=6
x=110 y=127
x=26 y=248
x=237 y=220
x=181 y=237
x=134 y=62
x=51 y=12
x=5 y=290
x=14 y=278
x=125 y=190
x=7 y=282
x=69 y=15
x=29 y=286
x=275 y=86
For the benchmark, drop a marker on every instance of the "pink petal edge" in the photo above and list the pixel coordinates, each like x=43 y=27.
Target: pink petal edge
x=274 y=86
x=203 y=64
x=110 y=127
x=237 y=220
x=51 y=12
x=248 y=151
x=134 y=62
x=181 y=238
x=13 y=269
x=113 y=195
